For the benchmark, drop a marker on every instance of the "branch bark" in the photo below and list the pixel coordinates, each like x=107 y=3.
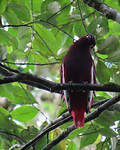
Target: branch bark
x=106 y=10
x=57 y=87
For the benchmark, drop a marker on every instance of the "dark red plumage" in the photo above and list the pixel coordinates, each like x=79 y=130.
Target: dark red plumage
x=78 y=66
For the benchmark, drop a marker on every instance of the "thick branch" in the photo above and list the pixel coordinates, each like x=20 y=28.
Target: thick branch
x=57 y=87
x=108 y=11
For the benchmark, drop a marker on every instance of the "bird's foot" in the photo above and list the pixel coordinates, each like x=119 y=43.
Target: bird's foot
x=70 y=86
x=84 y=83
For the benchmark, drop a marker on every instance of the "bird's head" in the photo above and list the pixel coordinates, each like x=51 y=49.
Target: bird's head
x=87 y=41
x=90 y=40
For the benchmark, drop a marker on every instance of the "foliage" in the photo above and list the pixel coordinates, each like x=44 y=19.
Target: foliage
x=40 y=32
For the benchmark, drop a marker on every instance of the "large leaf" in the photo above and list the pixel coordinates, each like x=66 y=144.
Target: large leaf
x=106 y=119
x=3 y=4
x=107 y=132
x=50 y=6
x=103 y=72
x=48 y=39
x=109 y=45
x=114 y=57
x=5 y=122
x=24 y=113
x=60 y=146
x=88 y=138
x=72 y=146
x=7 y=39
x=99 y=26
x=29 y=133
x=16 y=95
x=21 y=11
x=79 y=131
x=37 y=6
x=105 y=145
x=11 y=16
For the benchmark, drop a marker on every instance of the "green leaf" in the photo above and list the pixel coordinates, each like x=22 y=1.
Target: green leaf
x=4 y=111
x=63 y=17
x=49 y=46
x=37 y=6
x=105 y=145
x=29 y=133
x=55 y=133
x=117 y=114
x=7 y=39
x=114 y=57
x=71 y=146
x=24 y=40
x=42 y=142
x=114 y=4
x=15 y=94
x=109 y=45
x=103 y=56
x=103 y=94
x=11 y=16
x=78 y=131
x=50 y=6
x=24 y=113
x=38 y=57
x=107 y=132
x=102 y=72
x=88 y=138
x=21 y=11
x=106 y=119
x=5 y=122
x=99 y=26
x=3 y=4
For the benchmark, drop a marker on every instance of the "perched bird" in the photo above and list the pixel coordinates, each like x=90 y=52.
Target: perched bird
x=78 y=67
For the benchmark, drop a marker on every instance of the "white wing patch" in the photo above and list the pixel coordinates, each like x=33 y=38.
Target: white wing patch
x=63 y=81
x=91 y=92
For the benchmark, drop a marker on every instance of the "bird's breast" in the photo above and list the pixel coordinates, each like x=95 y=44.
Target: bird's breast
x=78 y=69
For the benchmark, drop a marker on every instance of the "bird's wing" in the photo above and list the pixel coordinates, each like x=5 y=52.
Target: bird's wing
x=93 y=81
x=64 y=93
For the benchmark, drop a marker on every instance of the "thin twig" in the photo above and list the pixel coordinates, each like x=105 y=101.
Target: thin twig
x=34 y=64
x=82 y=19
x=56 y=13
x=20 y=139
x=38 y=21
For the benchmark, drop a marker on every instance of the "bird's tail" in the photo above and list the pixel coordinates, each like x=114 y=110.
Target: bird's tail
x=78 y=117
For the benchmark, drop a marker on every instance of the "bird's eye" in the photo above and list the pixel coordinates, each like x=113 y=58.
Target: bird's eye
x=91 y=40
x=90 y=37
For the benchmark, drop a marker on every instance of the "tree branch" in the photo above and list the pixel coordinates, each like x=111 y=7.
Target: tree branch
x=51 y=86
x=90 y=117
x=32 y=64
x=21 y=140
x=108 y=11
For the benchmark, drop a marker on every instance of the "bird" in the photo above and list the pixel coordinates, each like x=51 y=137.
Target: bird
x=78 y=67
